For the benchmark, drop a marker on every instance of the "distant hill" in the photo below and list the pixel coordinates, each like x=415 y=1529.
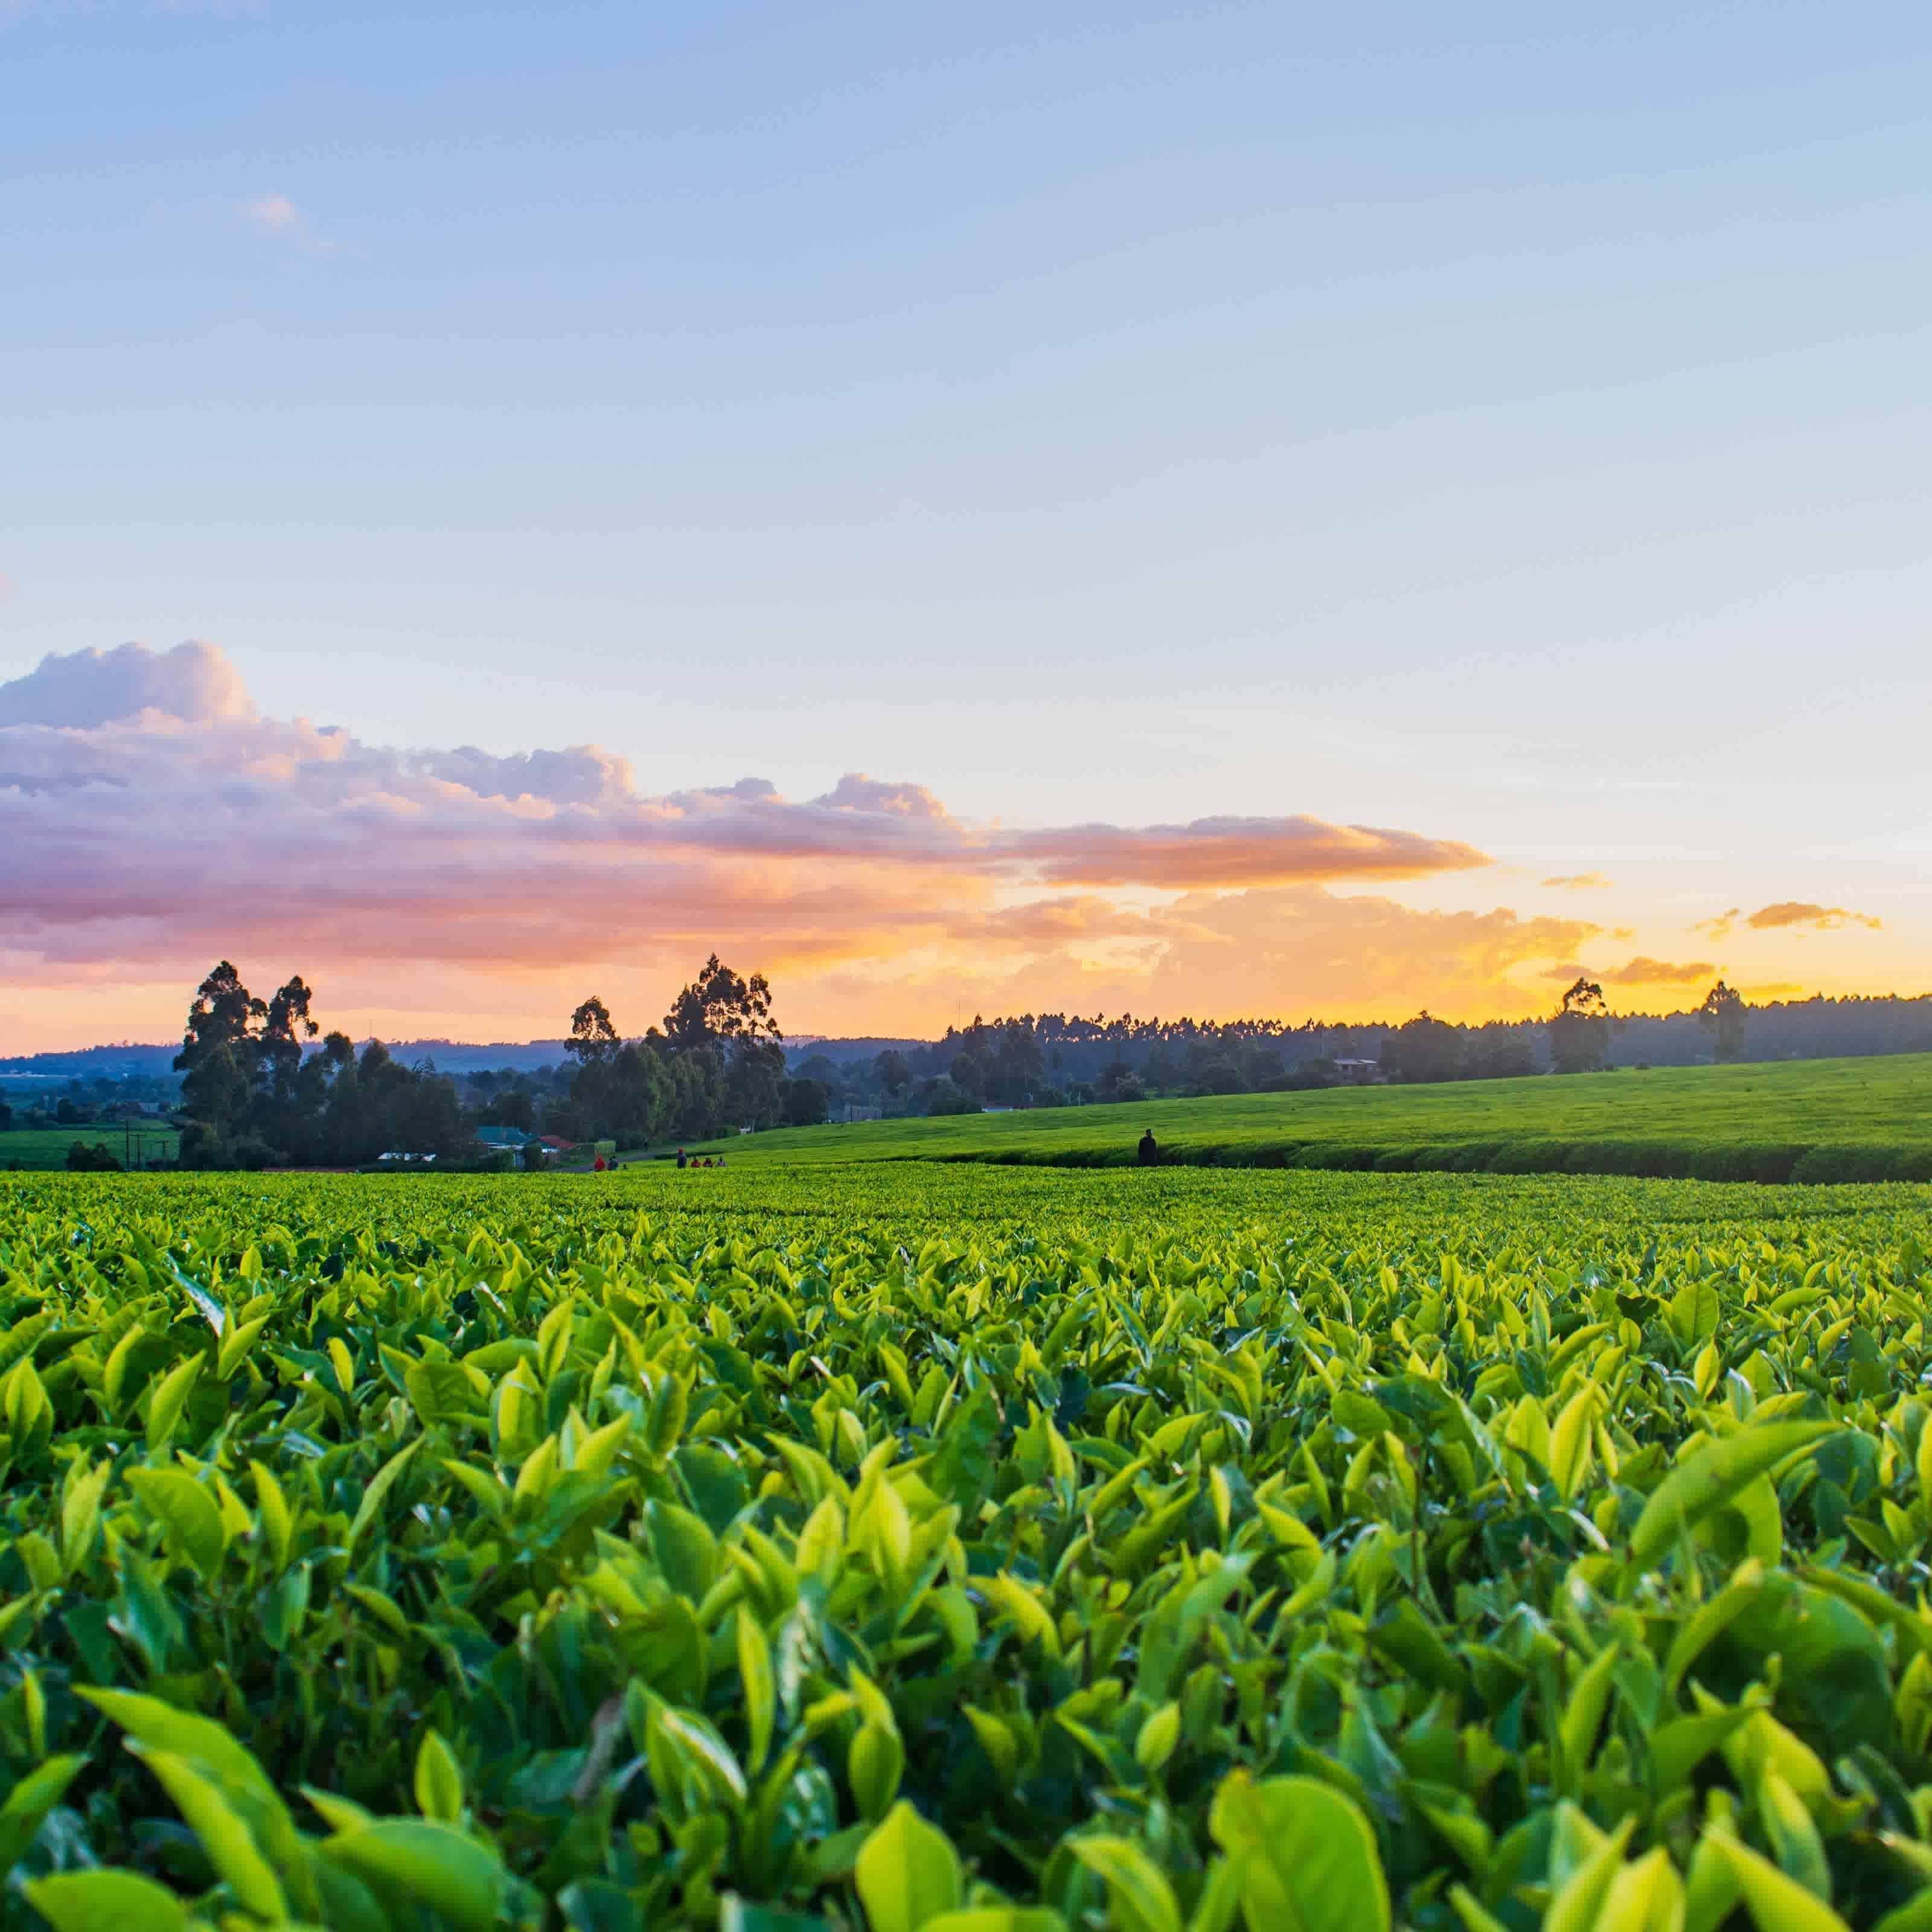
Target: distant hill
x=145 y=1060
x=843 y=1052
x=459 y=1056
x=94 y=1063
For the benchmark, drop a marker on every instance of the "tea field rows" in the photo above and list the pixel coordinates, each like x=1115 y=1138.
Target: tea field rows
x=1804 y=1121
x=920 y=1548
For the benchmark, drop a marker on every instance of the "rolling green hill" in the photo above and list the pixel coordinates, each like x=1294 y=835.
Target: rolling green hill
x=1821 y=1120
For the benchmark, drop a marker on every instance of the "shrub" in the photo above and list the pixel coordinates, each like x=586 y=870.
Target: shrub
x=1847 y=1164
x=1650 y=1160
x=1543 y=1156
x=1334 y=1157
x=1714 y=1162
x=82 y=1158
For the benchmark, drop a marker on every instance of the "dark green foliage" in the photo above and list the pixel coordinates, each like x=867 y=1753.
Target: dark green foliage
x=82 y=1158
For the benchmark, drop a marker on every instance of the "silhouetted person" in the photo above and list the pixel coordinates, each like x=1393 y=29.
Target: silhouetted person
x=681 y=1158
x=1149 y=1149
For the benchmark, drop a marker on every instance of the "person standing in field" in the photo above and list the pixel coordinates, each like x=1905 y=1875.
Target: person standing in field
x=1149 y=1149
x=681 y=1160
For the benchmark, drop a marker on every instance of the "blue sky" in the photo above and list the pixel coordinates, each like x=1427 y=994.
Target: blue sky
x=1454 y=420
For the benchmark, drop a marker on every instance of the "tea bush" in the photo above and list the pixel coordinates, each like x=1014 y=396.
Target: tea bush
x=973 y=1550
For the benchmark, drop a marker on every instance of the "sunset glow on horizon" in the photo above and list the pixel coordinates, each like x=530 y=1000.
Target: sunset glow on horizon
x=159 y=820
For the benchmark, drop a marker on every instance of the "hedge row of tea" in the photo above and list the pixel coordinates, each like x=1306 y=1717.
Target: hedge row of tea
x=1776 y=1162
x=963 y=1552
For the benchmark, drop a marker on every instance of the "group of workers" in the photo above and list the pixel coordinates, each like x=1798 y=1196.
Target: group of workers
x=600 y=1165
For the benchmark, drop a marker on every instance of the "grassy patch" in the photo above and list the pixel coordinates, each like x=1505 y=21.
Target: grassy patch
x=46 y=1148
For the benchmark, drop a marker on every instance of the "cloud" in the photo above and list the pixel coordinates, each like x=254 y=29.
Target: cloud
x=1580 y=882
x=1644 y=971
x=1310 y=950
x=1231 y=852
x=192 y=684
x=273 y=215
x=276 y=218
x=1297 y=951
x=152 y=814
x=1788 y=913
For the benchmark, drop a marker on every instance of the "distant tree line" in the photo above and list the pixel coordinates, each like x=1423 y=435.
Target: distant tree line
x=1053 y=1060
x=257 y=1087
x=100 y=1102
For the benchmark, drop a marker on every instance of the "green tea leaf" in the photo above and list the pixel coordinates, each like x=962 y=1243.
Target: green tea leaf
x=1776 y=1903
x=106 y=1901
x=188 y=1513
x=1308 y=1858
x=1712 y=1476
x=438 y=1780
x=1143 y=1901
x=170 y=1399
x=906 y=1873
x=431 y=1863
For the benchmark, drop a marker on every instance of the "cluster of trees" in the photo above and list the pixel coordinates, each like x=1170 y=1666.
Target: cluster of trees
x=718 y=1062
x=1578 y=1039
x=98 y=1103
x=255 y=1096
x=1426 y=1048
x=258 y=1092
x=1052 y=1059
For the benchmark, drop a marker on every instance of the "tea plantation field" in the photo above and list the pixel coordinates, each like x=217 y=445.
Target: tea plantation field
x=1805 y=1121
x=922 y=1548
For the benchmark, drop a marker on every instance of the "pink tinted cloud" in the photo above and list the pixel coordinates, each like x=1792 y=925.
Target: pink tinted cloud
x=1234 y=852
x=272 y=215
x=152 y=814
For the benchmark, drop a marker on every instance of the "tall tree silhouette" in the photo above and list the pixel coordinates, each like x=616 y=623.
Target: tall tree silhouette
x=1579 y=1035
x=1723 y=1016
